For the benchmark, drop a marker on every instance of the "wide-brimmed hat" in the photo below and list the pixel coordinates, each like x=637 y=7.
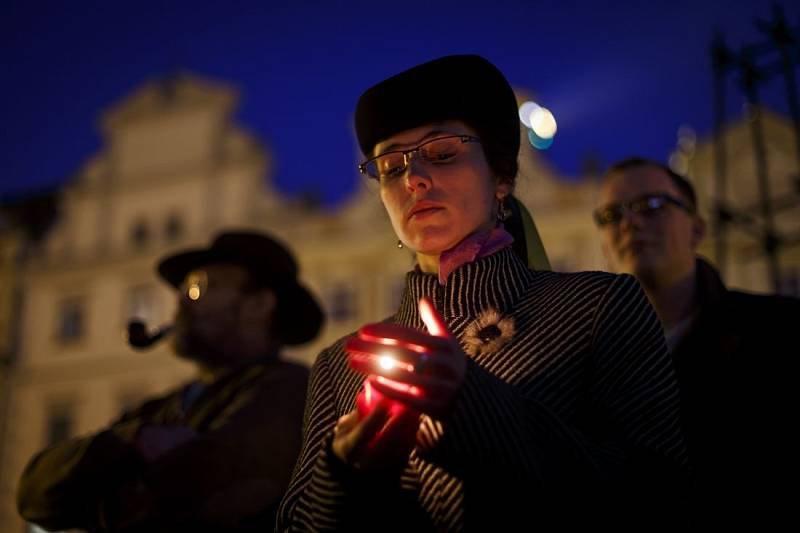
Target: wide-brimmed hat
x=298 y=316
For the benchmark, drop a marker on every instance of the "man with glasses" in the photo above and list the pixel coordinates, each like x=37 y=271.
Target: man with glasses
x=215 y=454
x=732 y=350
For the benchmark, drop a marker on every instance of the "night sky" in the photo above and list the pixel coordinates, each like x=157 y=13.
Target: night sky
x=620 y=77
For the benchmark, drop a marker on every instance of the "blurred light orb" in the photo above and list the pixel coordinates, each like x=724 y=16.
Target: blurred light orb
x=543 y=123
x=525 y=111
x=386 y=362
x=194 y=291
x=537 y=142
x=679 y=163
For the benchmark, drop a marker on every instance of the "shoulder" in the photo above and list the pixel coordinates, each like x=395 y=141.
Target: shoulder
x=763 y=301
x=152 y=406
x=772 y=309
x=586 y=284
x=332 y=361
x=279 y=370
x=335 y=351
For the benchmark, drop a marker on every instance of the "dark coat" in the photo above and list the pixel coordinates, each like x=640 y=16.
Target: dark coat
x=571 y=419
x=738 y=371
x=229 y=478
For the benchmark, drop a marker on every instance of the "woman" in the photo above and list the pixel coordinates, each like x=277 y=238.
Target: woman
x=534 y=396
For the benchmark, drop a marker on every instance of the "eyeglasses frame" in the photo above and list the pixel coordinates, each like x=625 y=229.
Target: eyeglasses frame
x=362 y=167
x=629 y=206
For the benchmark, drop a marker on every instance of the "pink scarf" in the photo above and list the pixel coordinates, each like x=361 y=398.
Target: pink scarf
x=471 y=248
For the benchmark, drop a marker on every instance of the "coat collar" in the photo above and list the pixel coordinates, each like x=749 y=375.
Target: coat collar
x=496 y=281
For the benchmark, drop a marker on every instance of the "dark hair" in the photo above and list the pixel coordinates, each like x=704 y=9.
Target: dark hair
x=684 y=186
x=502 y=158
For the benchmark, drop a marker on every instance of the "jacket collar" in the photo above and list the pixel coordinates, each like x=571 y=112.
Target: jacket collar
x=709 y=286
x=496 y=281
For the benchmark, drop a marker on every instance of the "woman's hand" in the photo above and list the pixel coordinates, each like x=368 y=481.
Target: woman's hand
x=380 y=441
x=422 y=371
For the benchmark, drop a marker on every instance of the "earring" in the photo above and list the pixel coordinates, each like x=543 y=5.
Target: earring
x=503 y=212
x=399 y=244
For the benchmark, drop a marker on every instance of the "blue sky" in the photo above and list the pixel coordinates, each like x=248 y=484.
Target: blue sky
x=619 y=76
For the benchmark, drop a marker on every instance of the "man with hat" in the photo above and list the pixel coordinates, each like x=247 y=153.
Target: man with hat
x=217 y=453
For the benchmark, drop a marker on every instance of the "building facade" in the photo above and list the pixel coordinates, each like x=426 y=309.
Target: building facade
x=746 y=263
x=174 y=169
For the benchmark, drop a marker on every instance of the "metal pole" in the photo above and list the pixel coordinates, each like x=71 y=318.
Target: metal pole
x=750 y=78
x=721 y=59
x=780 y=32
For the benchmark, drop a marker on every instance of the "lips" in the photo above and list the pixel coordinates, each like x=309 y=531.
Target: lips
x=635 y=246
x=422 y=209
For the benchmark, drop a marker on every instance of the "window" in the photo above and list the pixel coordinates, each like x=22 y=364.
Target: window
x=139 y=234
x=341 y=303
x=70 y=326
x=789 y=282
x=59 y=423
x=140 y=304
x=174 y=228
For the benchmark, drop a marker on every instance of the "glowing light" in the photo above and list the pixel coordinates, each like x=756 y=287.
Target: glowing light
x=679 y=162
x=428 y=315
x=368 y=393
x=543 y=123
x=386 y=362
x=194 y=291
x=404 y=388
x=687 y=140
x=537 y=142
x=387 y=341
x=525 y=111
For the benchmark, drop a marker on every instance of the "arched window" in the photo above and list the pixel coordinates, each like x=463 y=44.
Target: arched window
x=341 y=300
x=174 y=227
x=70 y=320
x=140 y=234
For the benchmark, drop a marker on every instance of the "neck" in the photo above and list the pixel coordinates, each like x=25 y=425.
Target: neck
x=480 y=243
x=674 y=301
x=428 y=263
x=208 y=374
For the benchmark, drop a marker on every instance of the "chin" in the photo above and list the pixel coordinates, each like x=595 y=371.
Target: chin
x=435 y=241
x=191 y=349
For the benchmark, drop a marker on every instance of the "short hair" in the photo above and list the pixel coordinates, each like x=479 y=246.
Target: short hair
x=684 y=186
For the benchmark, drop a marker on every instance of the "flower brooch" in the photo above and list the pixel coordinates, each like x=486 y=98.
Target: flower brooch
x=488 y=333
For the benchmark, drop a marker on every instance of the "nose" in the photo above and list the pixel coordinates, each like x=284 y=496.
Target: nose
x=417 y=178
x=630 y=220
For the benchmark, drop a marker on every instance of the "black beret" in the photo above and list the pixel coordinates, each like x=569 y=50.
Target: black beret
x=458 y=87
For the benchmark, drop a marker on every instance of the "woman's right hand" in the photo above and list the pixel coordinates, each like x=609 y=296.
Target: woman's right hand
x=380 y=441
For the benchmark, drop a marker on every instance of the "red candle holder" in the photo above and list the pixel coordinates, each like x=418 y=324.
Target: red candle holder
x=401 y=426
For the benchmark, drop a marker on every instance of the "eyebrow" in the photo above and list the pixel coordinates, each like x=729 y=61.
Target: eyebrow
x=394 y=147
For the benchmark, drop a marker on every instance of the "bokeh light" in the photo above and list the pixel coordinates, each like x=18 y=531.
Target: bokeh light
x=543 y=123
x=538 y=142
x=386 y=362
x=525 y=111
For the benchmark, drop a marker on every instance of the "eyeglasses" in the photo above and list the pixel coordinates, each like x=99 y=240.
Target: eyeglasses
x=438 y=151
x=647 y=205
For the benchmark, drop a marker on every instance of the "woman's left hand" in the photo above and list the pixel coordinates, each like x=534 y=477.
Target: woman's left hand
x=423 y=371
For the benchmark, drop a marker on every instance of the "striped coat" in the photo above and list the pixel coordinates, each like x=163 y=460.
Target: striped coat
x=574 y=414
